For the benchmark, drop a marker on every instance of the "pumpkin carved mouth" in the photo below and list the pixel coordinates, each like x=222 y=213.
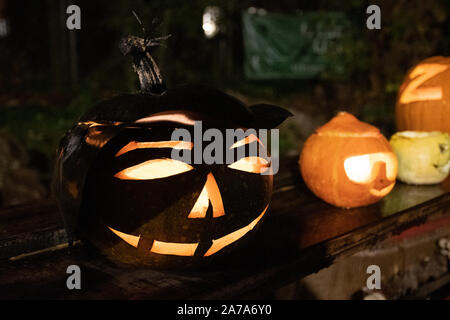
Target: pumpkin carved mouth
x=186 y=249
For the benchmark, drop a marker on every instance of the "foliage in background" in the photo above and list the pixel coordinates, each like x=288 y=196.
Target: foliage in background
x=411 y=31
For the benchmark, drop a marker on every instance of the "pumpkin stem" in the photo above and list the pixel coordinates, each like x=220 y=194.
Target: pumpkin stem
x=143 y=64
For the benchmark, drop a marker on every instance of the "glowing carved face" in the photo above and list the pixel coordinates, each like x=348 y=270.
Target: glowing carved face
x=163 y=206
x=378 y=170
x=348 y=163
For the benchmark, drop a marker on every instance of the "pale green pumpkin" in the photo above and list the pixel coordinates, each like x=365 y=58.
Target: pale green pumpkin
x=423 y=157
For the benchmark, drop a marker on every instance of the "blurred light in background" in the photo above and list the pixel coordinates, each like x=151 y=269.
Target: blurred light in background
x=260 y=11
x=4 y=30
x=211 y=17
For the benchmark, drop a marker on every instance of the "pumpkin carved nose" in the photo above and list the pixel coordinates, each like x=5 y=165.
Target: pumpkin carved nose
x=381 y=181
x=209 y=195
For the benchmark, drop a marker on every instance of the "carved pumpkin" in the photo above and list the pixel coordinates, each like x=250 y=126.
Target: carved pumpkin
x=119 y=189
x=348 y=163
x=423 y=102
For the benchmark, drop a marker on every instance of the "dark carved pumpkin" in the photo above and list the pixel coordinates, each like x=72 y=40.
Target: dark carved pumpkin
x=119 y=189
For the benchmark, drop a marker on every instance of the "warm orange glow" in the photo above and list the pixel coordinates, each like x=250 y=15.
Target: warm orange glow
x=201 y=205
x=210 y=193
x=224 y=241
x=349 y=134
x=382 y=192
x=95 y=136
x=154 y=169
x=95 y=124
x=173 y=117
x=133 y=145
x=247 y=140
x=173 y=248
x=128 y=238
x=90 y=124
x=251 y=164
x=72 y=187
x=94 y=141
x=188 y=249
x=359 y=169
x=178 y=249
x=422 y=73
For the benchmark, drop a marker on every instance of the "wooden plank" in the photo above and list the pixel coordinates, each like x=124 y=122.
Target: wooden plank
x=300 y=236
x=30 y=227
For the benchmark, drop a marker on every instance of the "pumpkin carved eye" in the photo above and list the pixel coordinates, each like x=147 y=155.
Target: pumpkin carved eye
x=247 y=140
x=154 y=169
x=360 y=169
x=251 y=164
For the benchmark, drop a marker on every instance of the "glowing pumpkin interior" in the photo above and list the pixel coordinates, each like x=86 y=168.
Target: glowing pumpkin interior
x=210 y=196
x=414 y=91
x=188 y=249
x=378 y=169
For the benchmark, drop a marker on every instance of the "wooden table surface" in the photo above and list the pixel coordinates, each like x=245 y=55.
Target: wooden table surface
x=300 y=235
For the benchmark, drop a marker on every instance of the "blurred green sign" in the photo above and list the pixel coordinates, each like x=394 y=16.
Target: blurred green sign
x=306 y=46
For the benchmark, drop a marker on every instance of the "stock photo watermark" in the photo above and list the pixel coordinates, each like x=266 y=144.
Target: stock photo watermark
x=74 y=280
x=374 y=280
x=73 y=22
x=374 y=20
x=248 y=146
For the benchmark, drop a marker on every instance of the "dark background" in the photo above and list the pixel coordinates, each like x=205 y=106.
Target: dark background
x=49 y=75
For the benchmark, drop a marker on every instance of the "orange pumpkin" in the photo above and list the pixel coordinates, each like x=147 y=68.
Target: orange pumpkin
x=348 y=163
x=423 y=102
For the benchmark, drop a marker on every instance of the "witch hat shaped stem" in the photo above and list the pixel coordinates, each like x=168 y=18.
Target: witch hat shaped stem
x=144 y=65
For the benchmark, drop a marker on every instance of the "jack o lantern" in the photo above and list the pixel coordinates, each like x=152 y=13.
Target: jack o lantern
x=423 y=102
x=348 y=163
x=120 y=190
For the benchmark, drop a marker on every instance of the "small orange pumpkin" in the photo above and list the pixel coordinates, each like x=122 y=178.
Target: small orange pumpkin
x=348 y=163
x=423 y=102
